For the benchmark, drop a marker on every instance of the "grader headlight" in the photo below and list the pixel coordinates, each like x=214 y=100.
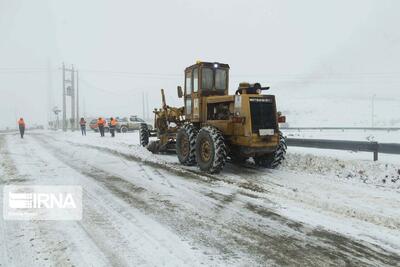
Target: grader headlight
x=238 y=101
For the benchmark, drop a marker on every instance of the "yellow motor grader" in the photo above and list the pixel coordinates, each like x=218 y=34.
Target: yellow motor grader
x=213 y=125
x=167 y=122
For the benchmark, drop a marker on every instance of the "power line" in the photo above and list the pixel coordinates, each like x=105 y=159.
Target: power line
x=131 y=73
x=90 y=85
x=164 y=75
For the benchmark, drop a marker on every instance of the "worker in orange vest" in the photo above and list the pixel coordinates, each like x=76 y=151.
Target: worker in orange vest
x=21 y=125
x=113 y=125
x=100 y=124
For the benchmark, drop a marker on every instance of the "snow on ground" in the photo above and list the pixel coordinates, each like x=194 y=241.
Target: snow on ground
x=341 y=167
x=145 y=209
x=110 y=234
x=336 y=164
x=347 y=165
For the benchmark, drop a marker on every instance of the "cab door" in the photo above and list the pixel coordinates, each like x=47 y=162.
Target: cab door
x=188 y=94
x=195 y=95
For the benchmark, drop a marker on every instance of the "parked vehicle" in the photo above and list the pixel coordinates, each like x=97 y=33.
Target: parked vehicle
x=94 y=127
x=132 y=123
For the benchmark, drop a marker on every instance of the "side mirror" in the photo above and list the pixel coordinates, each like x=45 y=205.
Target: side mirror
x=180 y=93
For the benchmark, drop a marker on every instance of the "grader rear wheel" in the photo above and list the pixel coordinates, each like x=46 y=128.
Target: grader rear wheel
x=273 y=160
x=186 y=144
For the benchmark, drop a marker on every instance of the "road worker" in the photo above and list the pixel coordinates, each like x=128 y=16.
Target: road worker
x=113 y=124
x=82 y=123
x=100 y=124
x=21 y=125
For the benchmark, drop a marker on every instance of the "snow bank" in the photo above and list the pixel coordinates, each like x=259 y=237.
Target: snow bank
x=369 y=172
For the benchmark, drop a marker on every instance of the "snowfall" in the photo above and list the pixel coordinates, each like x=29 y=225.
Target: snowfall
x=320 y=208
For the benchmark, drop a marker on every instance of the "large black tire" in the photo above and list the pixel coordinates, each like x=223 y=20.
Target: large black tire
x=211 y=151
x=275 y=159
x=186 y=144
x=144 y=134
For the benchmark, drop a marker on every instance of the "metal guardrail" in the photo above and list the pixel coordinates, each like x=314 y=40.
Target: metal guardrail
x=343 y=128
x=8 y=131
x=389 y=148
x=375 y=147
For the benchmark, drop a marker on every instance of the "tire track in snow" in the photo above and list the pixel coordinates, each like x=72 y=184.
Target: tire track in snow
x=19 y=236
x=116 y=217
x=42 y=243
x=250 y=174
x=317 y=245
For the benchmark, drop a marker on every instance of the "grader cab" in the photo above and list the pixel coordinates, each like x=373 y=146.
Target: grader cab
x=214 y=126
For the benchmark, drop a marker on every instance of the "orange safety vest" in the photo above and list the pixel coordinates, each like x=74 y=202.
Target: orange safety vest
x=21 y=122
x=100 y=122
x=114 y=122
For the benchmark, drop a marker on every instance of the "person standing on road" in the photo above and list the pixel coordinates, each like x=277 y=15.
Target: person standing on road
x=100 y=124
x=82 y=123
x=113 y=124
x=21 y=125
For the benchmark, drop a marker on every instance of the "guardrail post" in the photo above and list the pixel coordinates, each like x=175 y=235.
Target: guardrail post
x=375 y=150
x=375 y=155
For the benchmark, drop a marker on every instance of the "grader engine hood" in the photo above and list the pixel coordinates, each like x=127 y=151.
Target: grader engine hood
x=260 y=113
x=263 y=115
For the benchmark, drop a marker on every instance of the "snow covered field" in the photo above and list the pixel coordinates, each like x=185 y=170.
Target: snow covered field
x=140 y=209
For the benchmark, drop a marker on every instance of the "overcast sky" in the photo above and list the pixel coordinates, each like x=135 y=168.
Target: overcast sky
x=124 y=48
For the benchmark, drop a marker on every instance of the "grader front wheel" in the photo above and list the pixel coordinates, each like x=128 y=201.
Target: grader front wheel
x=144 y=134
x=211 y=150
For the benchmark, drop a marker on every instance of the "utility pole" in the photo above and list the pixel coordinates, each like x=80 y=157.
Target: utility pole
x=64 y=108
x=69 y=90
x=50 y=100
x=77 y=99
x=72 y=99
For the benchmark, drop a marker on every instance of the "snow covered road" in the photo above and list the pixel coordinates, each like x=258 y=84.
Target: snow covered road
x=146 y=210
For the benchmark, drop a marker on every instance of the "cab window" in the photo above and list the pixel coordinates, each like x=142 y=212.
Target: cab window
x=195 y=80
x=188 y=106
x=220 y=79
x=188 y=83
x=207 y=79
